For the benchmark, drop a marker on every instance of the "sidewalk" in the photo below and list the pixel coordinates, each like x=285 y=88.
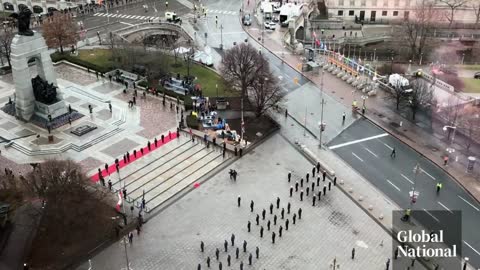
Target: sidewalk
x=410 y=134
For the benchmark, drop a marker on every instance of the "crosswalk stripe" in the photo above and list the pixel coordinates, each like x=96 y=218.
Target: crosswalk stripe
x=103 y=14
x=152 y=18
x=142 y=18
x=110 y=15
x=97 y=14
x=136 y=17
x=128 y=17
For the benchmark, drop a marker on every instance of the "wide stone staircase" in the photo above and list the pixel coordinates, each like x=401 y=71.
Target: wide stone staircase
x=167 y=171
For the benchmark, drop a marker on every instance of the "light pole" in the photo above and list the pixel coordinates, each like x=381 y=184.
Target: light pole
x=322 y=124
x=364 y=97
x=463 y=58
x=421 y=58
x=221 y=36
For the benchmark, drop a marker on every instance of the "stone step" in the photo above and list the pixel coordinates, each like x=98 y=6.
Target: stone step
x=165 y=174
x=173 y=162
x=175 y=187
x=167 y=152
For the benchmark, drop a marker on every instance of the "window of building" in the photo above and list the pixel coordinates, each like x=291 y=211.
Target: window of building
x=407 y=3
x=406 y=14
x=340 y=13
x=395 y=13
x=363 y=3
x=384 y=13
x=385 y=3
x=352 y=3
x=374 y=3
x=397 y=3
x=351 y=13
x=340 y=2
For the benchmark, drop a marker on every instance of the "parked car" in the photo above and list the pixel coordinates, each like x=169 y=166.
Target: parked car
x=270 y=25
x=275 y=19
x=247 y=20
x=477 y=75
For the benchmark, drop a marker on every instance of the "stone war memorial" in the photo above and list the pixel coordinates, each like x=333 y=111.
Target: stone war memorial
x=39 y=96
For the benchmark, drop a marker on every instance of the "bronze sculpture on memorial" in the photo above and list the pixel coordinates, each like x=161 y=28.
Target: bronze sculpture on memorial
x=43 y=91
x=23 y=21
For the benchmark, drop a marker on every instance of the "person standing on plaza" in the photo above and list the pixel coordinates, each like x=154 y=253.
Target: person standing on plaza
x=225 y=246
x=296 y=186
x=288 y=208
x=294 y=218
x=232 y=239
x=261 y=231
x=314 y=199
x=301 y=195
x=220 y=266
x=394 y=153
x=244 y=246
x=251 y=205
x=239 y=199
x=249 y=224
x=324 y=190
x=250 y=257
x=229 y=259
x=289 y=176
x=278 y=202
x=280 y=229
x=264 y=212
x=324 y=175
x=257 y=252
x=257 y=219
x=299 y=213
x=202 y=246
x=208 y=262
x=286 y=224
x=130 y=237
x=217 y=253
x=291 y=191
x=273 y=237
x=275 y=220
x=237 y=252
x=268 y=225
x=271 y=208
x=282 y=213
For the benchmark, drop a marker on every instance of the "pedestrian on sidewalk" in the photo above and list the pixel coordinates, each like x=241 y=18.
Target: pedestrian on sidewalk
x=264 y=212
x=278 y=202
x=244 y=246
x=291 y=191
x=109 y=184
x=394 y=153
x=296 y=186
x=225 y=245
x=288 y=207
x=202 y=246
x=353 y=253
x=237 y=252
x=286 y=224
x=289 y=176
x=314 y=199
x=257 y=219
x=251 y=205
x=208 y=262
x=232 y=239
x=445 y=160
x=343 y=118
x=130 y=238
x=239 y=199
x=273 y=237
x=261 y=231
x=439 y=186
x=406 y=216
x=282 y=213
x=249 y=226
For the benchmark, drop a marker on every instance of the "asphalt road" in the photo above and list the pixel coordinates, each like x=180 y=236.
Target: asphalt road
x=395 y=178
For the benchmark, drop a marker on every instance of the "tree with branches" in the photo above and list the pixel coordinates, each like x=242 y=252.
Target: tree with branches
x=397 y=95
x=453 y=5
x=6 y=37
x=420 y=97
x=469 y=124
x=265 y=93
x=60 y=31
x=416 y=29
x=476 y=8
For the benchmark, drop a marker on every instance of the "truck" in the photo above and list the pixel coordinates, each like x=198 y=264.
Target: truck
x=397 y=80
x=288 y=11
x=172 y=17
x=267 y=10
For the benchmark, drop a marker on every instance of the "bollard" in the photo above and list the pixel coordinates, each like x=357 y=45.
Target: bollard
x=370 y=207
x=360 y=198
x=350 y=190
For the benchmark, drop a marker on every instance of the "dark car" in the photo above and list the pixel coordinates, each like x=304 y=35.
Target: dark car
x=477 y=75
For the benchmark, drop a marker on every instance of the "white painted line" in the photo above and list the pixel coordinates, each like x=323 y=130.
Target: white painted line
x=358 y=141
x=431 y=215
x=129 y=24
x=128 y=16
x=142 y=18
x=388 y=146
x=427 y=174
x=136 y=17
x=152 y=18
x=406 y=178
x=471 y=247
x=445 y=207
x=357 y=157
x=468 y=203
x=375 y=155
x=393 y=184
x=112 y=15
x=97 y=14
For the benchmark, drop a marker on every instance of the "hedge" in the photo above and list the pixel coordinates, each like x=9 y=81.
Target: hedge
x=192 y=121
x=56 y=57
x=187 y=100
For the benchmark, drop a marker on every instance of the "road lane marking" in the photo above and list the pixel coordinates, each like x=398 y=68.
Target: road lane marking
x=358 y=141
x=406 y=178
x=388 y=146
x=468 y=203
x=357 y=157
x=129 y=24
x=427 y=173
x=471 y=247
x=431 y=215
x=375 y=155
x=393 y=184
x=445 y=207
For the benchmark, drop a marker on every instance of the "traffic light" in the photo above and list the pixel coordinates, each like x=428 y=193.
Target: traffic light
x=216 y=20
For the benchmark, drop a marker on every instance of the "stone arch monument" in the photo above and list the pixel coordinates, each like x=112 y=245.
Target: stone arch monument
x=23 y=48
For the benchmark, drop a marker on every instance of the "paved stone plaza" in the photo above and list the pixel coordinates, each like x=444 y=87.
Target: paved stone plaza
x=171 y=239
x=118 y=132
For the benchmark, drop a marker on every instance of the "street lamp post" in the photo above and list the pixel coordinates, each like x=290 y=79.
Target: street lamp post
x=421 y=58
x=463 y=58
x=221 y=36
x=322 y=125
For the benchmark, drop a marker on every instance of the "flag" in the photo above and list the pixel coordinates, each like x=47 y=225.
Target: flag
x=100 y=2
x=120 y=200
x=243 y=126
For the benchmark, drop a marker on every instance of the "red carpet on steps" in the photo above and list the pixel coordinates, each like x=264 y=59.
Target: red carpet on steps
x=111 y=168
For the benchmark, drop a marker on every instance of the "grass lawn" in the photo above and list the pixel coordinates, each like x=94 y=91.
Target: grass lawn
x=99 y=57
x=205 y=77
x=469 y=67
x=471 y=85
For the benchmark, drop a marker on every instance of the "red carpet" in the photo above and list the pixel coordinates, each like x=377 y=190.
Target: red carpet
x=111 y=168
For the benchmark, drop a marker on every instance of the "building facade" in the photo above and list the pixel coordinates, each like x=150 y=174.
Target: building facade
x=379 y=11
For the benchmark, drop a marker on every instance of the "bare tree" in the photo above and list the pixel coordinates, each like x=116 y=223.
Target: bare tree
x=420 y=97
x=476 y=8
x=69 y=199
x=265 y=93
x=417 y=28
x=5 y=41
x=397 y=95
x=60 y=30
x=453 y=5
x=240 y=66
x=469 y=124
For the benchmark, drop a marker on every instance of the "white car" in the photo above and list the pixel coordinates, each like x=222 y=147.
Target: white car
x=270 y=25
